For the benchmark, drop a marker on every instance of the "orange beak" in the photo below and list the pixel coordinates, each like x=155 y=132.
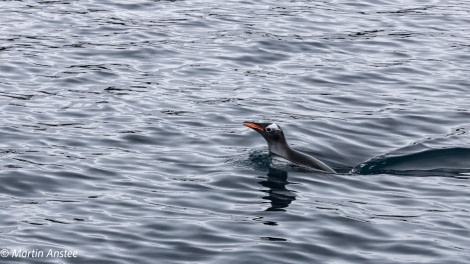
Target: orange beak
x=252 y=125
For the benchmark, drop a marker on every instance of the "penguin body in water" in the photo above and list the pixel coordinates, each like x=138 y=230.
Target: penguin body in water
x=277 y=145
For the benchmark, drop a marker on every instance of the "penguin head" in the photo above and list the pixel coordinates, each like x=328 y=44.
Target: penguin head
x=273 y=134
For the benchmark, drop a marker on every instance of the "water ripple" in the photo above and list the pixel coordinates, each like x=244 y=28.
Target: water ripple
x=122 y=132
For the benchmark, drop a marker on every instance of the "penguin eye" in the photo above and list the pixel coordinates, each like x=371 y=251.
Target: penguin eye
x=268 y=129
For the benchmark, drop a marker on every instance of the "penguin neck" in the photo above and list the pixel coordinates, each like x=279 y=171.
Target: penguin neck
x=281 y=149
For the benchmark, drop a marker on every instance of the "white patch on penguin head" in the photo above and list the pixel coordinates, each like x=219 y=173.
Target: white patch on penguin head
x=272 y=127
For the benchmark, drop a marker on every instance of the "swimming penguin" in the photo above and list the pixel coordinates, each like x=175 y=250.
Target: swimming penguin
x=278 y=145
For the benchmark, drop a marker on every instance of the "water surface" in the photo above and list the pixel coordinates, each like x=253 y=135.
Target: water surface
x=122 y=136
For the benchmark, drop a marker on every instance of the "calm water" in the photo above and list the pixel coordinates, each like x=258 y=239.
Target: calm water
x=122 y=136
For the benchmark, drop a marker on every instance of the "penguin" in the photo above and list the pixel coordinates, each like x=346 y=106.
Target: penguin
x=278 y=146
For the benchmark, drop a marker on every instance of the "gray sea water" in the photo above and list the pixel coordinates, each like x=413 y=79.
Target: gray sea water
x=121 y=136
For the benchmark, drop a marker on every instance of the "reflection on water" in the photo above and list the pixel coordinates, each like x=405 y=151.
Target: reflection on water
x=278 y=195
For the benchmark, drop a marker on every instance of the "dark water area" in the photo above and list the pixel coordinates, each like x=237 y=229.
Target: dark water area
x=122 y=140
